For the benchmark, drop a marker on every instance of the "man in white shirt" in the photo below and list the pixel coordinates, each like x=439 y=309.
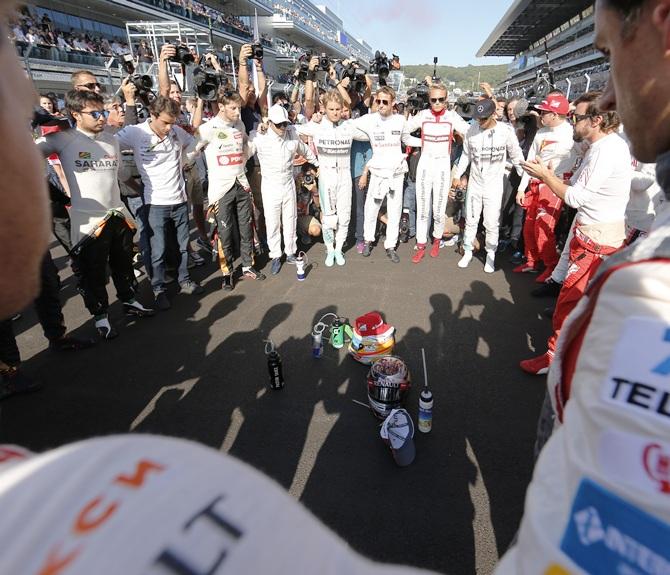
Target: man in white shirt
x=387 y=133
x=486 y=149
x=438 y=126
x=224 y=140
x=159 y=147
x=554 y=144
x=599 y=190
x=276 y=149
x=101 y=234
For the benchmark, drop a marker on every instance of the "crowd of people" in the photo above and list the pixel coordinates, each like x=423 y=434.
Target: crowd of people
x=294 y=10
x=598 y=501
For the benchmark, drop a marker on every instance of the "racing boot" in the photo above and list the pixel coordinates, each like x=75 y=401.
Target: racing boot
x=419 y=254
x=435 y=249
x=105 y=328
x=490 y=265
x=466 y=259
x=135 y=308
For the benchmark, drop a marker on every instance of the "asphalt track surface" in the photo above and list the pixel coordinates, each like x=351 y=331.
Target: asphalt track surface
x=199 y=371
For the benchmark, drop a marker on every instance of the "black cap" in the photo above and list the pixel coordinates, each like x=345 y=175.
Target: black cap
x=483 y=109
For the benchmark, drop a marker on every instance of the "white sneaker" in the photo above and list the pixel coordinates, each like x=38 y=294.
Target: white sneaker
x=465 y=260
x=452 y=241
x=490 y=266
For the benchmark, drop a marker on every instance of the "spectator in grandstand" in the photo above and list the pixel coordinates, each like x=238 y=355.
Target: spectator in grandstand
x=599 y=190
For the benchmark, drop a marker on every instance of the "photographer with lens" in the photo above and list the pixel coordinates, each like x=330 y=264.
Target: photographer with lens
x=486 y=149
x=225 y=143
x=438 y=126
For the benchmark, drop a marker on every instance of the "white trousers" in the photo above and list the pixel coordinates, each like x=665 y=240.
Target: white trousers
x=335 y=196
x=432 y=184
x=279 y=206
x=487 y=200
x=391 y=188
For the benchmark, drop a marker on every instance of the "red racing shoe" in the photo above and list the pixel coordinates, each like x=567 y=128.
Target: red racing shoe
x=545 y=275
x=435 y=250
x=538 y=365
x=527 y=268
x=419 y=254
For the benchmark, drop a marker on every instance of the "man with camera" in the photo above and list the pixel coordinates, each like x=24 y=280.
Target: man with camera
x=101 y=234
x=554 y=145
x=438 y=125
x=486 y=149
x=387 y=133
x=159 y=147
x=225 y=143
x=599 y=190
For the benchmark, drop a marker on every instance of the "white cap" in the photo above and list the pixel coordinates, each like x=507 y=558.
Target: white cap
x=278 y=114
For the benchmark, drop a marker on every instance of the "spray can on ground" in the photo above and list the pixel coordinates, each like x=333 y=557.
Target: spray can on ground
x=425 y=402
x=337 y=334
x=317 y=345
x=274 y=366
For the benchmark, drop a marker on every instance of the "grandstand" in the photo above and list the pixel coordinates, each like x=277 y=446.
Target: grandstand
x=55 y=38
x=557 y=34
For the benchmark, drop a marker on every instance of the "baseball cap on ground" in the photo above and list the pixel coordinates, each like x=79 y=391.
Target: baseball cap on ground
x=398 y=432
x=555 y=103
x=372 y=324
x=278 y=114
x=141 y=504
x=483 y=109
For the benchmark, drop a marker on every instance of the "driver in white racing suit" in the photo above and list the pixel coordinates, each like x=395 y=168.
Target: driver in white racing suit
x=437 y=126
x=332 y=138
x=486 y=148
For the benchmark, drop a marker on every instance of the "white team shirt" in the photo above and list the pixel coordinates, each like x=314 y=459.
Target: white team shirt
x=159 y=161
x=276 y=153
x=646 y=198
x=554 y=146
x=226 y=153
x=91 y=167
x=602 y=183
x=437 y=132
x=487 y=152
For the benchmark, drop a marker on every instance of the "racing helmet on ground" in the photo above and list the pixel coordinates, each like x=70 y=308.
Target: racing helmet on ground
x=371 y=338
x=388 y=383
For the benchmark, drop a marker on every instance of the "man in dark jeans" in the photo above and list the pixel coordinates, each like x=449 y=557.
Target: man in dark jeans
x=159 y=146
x=50 y=314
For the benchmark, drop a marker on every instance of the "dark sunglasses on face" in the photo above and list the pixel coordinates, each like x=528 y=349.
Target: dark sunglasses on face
x=97 y=114
x=282 y=125
x=380 y=101
x=89 y=86
x=436 y=100
x=576 y=118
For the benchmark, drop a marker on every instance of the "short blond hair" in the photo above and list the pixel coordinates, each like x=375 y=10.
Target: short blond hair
x=438 y=87
x=333 y=96
x=390 y=92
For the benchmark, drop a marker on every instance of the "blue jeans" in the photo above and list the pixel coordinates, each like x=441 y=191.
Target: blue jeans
x=139 y=210
x=359 y=202
x=158 y=217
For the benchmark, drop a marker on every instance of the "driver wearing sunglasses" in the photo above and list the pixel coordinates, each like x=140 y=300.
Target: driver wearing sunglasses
x=438 y=127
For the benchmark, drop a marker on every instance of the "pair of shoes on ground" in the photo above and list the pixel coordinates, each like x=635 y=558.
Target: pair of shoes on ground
x=250 y=273
x=390 y=252
x=489 y=265
x=277 y=263
x=421 y=250
x=189 y=287
x=333 y=257
x=106 y=330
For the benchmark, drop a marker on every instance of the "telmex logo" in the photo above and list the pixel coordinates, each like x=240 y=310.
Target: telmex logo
x=592 y=531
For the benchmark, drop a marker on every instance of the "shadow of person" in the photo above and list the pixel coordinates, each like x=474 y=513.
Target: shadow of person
x=373 y=489
x=284 y=430
x=501 y=404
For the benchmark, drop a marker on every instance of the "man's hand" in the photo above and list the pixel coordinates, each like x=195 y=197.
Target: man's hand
x=368 y=81
x=520 y=198
x=313 y=63
x=428 y=80
x=213 y=61
x=486 y=88
x=455 y=183
x=168 y=51
x=346 y=82
x=363 y=181
x=129 y=90
x=246 y=52
x=537 y=169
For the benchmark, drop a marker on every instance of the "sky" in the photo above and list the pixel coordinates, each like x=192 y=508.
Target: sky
x=417 y=30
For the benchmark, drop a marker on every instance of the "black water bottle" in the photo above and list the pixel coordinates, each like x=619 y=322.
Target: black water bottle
x=275 y=370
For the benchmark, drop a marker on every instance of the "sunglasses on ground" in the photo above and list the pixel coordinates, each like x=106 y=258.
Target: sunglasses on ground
x=436 y=100
x=90 y=86
x=97 y=114
x=380 y=101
